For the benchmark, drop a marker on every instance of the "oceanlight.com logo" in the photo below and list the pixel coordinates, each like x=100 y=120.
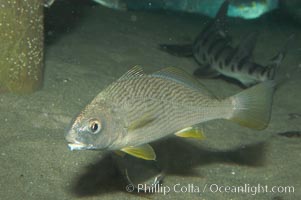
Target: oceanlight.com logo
x=211 y=188
x=251 y=189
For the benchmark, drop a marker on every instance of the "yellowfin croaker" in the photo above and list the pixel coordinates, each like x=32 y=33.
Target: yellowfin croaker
x=140 y=108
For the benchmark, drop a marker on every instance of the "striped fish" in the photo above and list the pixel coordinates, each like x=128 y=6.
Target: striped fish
x=213 y=51
x=139 y=108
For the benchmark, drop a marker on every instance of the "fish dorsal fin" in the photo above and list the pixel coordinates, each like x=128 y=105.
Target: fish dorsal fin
x=217 y=25
x=191 y=132
x=222 y=12
x=180 y=76
x=135 y=72
x=220 y=17
x=145 y=151
x=246 y=47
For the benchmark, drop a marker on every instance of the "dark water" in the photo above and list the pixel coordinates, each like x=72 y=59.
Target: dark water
x=89 y=46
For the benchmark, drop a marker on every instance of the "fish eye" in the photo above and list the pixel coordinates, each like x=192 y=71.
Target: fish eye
x=94 y=126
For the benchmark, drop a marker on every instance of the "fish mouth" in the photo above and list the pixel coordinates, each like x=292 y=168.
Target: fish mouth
x=77 y=146
x=74 y=144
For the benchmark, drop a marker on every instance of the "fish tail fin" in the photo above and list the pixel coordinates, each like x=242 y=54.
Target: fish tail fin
x=252 y=107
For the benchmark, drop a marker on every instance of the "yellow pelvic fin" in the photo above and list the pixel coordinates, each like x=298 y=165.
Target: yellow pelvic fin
x=191 y=132
x=141 y=122
x=145 y=152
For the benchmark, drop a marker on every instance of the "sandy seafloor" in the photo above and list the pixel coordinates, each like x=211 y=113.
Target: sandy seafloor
x=95 y=49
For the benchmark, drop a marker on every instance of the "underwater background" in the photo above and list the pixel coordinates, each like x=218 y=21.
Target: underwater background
x=88 y=46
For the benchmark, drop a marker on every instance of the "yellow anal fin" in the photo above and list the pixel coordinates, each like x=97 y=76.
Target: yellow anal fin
x=191 y=132
x=145 y=152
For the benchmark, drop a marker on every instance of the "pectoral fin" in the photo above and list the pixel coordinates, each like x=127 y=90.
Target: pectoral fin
x=191 y=132
x=145 y=152
x=141 y=122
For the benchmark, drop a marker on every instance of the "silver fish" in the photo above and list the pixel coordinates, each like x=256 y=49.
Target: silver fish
x=213 y=51
x=139 y=108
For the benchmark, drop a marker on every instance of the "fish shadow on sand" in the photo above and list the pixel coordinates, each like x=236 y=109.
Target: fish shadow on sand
x=175 y=157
